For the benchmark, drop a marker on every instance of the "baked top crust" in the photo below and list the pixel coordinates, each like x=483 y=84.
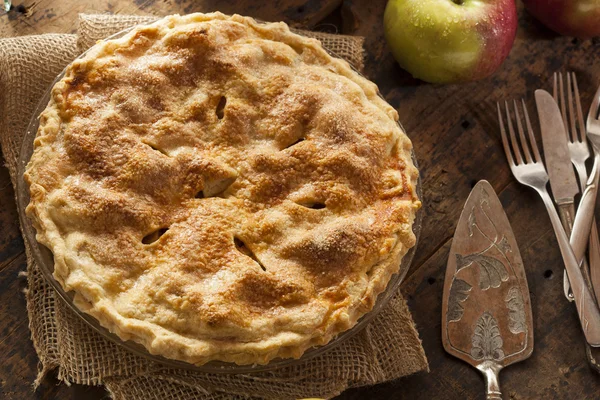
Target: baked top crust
x=218 y=189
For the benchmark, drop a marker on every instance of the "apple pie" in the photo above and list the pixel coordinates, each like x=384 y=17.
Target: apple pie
x=215 y=188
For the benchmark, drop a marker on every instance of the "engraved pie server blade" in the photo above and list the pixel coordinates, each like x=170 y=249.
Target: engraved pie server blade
x=486 y=309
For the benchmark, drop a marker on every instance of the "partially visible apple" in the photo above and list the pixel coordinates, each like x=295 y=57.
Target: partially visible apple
x=579 y=18
x=447 y=41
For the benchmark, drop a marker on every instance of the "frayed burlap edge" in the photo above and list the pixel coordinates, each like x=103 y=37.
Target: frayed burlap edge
x=387 y=349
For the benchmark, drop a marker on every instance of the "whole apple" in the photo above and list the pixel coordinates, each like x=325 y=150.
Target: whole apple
x=447 y=41
x=579 y=18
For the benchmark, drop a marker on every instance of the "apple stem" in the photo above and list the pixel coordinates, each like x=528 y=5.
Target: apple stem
x=459 y=2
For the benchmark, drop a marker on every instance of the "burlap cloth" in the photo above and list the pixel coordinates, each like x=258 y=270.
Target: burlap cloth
x=387 y=349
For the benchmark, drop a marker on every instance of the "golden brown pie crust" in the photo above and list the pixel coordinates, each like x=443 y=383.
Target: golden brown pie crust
x=218 y=189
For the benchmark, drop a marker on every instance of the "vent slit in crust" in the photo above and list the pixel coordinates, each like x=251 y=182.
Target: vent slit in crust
x=317 y=205
x=220 y=111
x=242 y=248
x=295 y=143
x=154 y=236
x=155 y=148
x=215 y=187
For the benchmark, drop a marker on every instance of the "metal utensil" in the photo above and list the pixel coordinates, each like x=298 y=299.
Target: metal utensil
x=558 y=163
x=580 y=152
x=593 y=121
x=583 y=218
x=593 y=131
x=486 y=310
x=532 y=173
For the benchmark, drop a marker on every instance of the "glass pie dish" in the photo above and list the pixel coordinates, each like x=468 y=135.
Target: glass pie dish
x=44 y=259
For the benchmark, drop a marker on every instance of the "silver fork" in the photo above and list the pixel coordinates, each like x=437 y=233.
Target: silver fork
x=531 y=172
x=578 y=145
x=580 y=152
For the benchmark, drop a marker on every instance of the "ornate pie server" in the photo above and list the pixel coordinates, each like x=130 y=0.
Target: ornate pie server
x=486 y=310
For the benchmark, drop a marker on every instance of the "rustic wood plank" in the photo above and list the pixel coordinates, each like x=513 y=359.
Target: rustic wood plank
x=31 y=17
x=11 y=244
x=454 y=131
x=441 y=120
x=18 y=361
x=454 y=127
x=557 y=369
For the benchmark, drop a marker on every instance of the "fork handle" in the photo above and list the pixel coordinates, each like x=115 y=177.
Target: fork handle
x=583 y=219
x=588 y=312
x=566 y=211
x=592 y=270
x=595 y=259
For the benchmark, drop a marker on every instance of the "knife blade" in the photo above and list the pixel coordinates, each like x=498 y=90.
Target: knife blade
x=556 y=152
x=486 y=309
x=558 y=163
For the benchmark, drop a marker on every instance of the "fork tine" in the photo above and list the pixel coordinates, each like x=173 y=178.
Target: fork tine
x=534 y=146
x=509 y=156
x=572 y=116
x=555 y=88
x=563 y=110
x=582 y=129
x=513 y=138
x=524 y=145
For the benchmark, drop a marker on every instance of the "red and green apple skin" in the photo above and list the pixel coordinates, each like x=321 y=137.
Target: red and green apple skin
x=445 y=41
x=579 y=18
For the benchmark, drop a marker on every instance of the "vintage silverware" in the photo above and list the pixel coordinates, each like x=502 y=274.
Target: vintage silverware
x=593 y=128
x=486 y=310
x=583 y=219
x=531 y=172
x=580 y=152
x=558 y=163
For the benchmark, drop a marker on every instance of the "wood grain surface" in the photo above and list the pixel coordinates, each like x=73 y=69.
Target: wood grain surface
x=456 y=139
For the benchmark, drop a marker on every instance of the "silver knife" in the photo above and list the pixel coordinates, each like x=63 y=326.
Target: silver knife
x=556 y=152
x=486 y=309
x=558 y=163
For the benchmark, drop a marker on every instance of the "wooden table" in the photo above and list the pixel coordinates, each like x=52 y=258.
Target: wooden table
x=456 y=139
